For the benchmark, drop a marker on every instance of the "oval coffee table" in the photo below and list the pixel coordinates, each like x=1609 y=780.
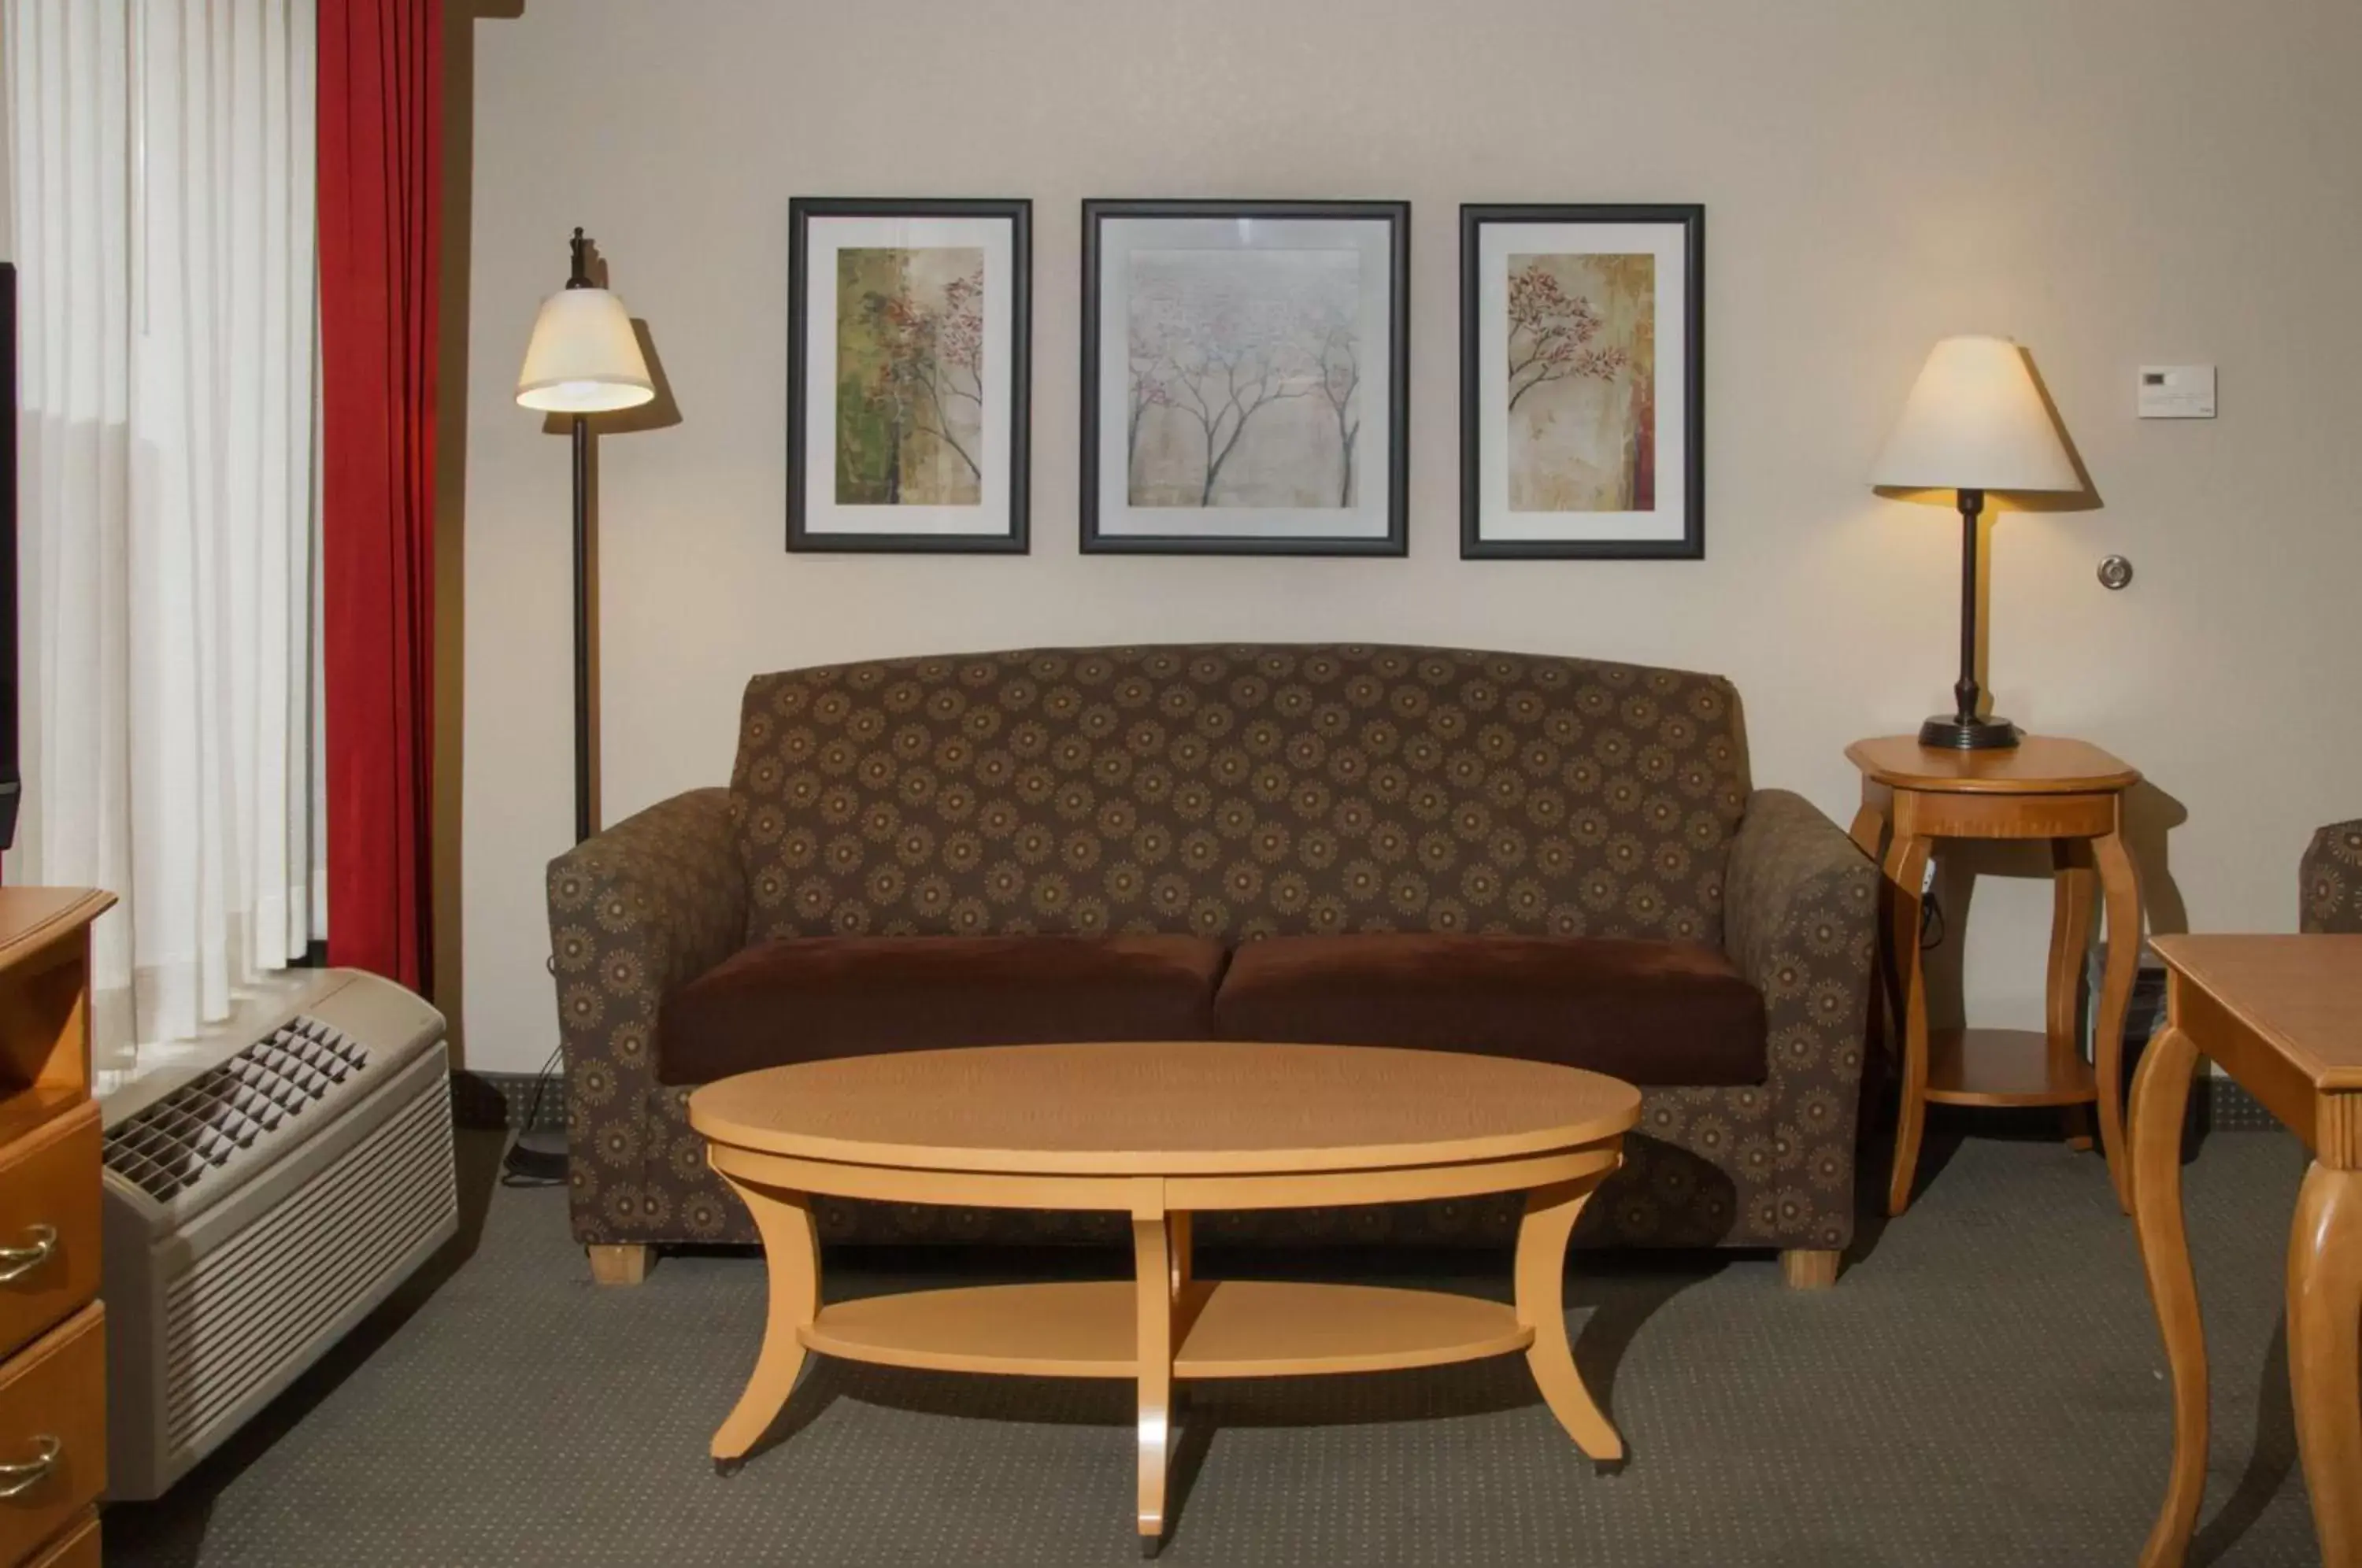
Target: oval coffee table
x=1160 y=1131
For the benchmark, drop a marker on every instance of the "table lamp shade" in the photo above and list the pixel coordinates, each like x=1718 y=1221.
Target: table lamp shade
x=584 y=357
x=1975 y=421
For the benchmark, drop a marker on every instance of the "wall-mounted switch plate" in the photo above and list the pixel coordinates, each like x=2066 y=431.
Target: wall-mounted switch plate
x=2177 y=391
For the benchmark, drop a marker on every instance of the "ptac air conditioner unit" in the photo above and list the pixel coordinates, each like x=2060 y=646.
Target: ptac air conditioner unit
x=258 y=1206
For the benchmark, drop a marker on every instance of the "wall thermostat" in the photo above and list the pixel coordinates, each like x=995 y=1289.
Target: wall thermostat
x=2177 y=391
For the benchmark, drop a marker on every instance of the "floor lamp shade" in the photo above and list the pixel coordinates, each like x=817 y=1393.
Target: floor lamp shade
x=584 y=357
x=1975 y=421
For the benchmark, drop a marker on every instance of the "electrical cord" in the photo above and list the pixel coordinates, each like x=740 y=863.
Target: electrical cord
x=522 y=1163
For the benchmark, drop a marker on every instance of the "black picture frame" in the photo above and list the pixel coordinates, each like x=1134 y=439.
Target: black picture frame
x=1019 y=213
x=1396 y=216
x=1473 y=546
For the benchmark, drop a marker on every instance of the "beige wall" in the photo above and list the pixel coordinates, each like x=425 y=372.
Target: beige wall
x=2110 y=181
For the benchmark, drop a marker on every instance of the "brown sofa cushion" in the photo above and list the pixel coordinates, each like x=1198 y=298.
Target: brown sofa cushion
x=1653 y=1013
x=805 y=999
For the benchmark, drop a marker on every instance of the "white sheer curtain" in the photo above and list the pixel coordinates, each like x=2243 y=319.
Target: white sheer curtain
x=161 y=169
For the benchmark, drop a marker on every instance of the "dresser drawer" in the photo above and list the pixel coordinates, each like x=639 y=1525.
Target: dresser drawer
x=52 y=1432
x=78 y=1548
x=49 y=1225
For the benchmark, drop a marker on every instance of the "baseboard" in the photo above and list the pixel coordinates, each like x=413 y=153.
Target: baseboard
x=505 y=1100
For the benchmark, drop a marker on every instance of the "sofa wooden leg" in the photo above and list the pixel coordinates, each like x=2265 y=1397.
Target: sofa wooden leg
x=1806 y=1268
x=625 y=1264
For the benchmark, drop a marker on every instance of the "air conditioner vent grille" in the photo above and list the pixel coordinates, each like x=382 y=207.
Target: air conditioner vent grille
x=173 y=1144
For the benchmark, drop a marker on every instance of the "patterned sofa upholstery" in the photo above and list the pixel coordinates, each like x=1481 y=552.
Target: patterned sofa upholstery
x=2333 y=879
x=1238 y=792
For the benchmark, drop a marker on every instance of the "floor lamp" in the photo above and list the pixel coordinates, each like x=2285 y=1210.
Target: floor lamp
x=584 y=358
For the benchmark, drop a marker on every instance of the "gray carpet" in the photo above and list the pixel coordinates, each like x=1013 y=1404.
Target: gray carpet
x=1983 y=1387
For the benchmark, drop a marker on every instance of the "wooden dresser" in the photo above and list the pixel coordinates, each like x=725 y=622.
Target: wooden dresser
x=52 y=1336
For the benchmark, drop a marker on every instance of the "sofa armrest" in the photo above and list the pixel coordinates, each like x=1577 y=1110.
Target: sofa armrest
x=2333 y=879
x=1800 y=919
x=636 y=912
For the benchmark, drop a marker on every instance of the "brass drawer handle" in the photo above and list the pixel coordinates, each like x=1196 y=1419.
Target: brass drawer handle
x=15 y=1479
x=15 y=1262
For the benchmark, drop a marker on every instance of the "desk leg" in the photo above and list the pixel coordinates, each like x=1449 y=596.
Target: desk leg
x=2119 y=883
x=1907 y=865
x=2324 y=1335
x=1157 y=1269
x=1551 y=1214
x=791 y=1252
x=2160 y=1099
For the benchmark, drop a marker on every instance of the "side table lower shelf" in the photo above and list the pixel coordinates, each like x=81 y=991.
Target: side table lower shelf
x=2002 y=1067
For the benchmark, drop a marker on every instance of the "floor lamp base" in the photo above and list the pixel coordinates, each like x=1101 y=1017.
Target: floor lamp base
x=1948 y=733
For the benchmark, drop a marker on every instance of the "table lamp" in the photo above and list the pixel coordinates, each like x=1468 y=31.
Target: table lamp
x=584 y=358
x=1974 y=422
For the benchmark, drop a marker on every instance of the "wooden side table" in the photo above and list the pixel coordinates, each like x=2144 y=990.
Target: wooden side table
x=2063 y=791
x=2283 y=1016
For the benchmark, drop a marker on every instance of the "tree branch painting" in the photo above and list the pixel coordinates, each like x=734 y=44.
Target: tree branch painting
x=1581 y=382
x=1245 y=386
x=909 y=350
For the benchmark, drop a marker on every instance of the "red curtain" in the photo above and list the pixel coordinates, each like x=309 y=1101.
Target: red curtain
x=381 y=134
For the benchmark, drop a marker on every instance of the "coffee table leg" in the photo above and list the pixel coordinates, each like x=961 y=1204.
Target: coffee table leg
x=1156 y=1268
x=792 y=1249
x=1551 y=1214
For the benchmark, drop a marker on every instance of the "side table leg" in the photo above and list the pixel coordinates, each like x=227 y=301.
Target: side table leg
x=1551 y=1214
x=2073 y=904
x=2160 y=1097
x=1907 y=865
x=2324 y=1333
x=2121 y=886
x=791 y=1250
x=1155 y=1281
x=1869 y=836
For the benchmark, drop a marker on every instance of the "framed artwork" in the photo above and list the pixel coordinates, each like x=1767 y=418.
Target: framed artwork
x=1583 y=382
x=908 y=372
x=1245 y=371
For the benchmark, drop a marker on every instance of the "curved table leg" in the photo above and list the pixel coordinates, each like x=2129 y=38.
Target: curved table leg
x=1156 y=1268
x=1551 y=1214
x=2160 y=1097
x=791 y=1250
x=2324 y=1343
x=2073 y=904
x=1907 y=865
x=2120 y=885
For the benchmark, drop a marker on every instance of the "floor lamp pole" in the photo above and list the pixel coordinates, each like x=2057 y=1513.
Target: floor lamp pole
x=582 y=825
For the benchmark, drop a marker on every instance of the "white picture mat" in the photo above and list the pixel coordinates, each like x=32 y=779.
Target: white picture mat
x=1370 y=516
x=825 y=235
x=1667 y=242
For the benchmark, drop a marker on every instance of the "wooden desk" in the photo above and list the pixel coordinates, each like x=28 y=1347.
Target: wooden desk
x=2073 y=795
x=2283 y=1016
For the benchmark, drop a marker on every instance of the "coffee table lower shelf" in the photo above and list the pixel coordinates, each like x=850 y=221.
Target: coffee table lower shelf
x=1231 y=1328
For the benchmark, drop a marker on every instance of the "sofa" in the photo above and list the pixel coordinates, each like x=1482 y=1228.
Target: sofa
x=1551 y=857
x=2331 y=879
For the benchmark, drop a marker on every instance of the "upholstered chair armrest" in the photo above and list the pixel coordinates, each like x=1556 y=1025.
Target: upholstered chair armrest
x=636 y=912
x=2332 y=879
x=1800 y=919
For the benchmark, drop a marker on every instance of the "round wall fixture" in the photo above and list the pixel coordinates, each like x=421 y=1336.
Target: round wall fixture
x=2115 y=572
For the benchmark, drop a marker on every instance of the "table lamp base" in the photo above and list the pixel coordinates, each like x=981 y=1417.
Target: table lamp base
x=1949 y=732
